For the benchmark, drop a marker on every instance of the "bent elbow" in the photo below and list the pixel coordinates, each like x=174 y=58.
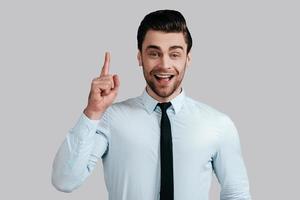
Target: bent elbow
x=62 y=186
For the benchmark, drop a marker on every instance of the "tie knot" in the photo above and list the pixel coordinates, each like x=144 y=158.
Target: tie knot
x=164 y=106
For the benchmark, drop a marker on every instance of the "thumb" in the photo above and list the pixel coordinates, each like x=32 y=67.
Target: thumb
x=116 y=83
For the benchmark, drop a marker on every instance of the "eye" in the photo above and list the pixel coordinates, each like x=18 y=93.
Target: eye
x=175 y=55
x=153 y=54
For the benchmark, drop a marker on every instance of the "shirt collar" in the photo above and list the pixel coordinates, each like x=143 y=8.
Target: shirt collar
x=150 y=103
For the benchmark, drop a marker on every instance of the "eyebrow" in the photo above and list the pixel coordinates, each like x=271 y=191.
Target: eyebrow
x=176 y=47
x=158 y=48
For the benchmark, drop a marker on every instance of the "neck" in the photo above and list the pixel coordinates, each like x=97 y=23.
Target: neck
x=163 y=99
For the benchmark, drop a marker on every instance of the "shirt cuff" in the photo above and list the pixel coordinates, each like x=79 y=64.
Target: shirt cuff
x=94 y=121
x=85 y=128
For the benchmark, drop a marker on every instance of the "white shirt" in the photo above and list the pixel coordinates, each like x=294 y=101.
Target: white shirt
x=127 y=139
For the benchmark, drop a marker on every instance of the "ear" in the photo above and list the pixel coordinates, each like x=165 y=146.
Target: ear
x=189 y=58
x=139 y=57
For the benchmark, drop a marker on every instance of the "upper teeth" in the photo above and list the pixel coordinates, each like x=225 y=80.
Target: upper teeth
x=164 y=75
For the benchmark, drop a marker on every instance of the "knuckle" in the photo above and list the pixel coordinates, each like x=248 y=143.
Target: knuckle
x=107 y=76
x=106 y=82
x=107 y=86
x=94 y=81
x=103 y=86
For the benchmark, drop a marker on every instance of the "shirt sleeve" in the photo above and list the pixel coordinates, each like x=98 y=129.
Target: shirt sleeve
x=77 y=156
x=229 y=166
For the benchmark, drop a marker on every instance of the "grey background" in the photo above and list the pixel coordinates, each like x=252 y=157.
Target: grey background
x=245 y=63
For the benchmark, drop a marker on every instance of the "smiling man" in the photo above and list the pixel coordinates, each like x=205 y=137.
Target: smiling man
x=161 y=145
x=164 y=58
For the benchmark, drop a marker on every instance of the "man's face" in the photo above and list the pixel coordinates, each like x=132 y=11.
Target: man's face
x=164 y=59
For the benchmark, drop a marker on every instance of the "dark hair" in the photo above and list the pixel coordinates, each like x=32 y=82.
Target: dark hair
x=167 y=21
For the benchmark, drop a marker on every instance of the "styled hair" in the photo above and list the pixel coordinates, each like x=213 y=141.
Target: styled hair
x=168 y=21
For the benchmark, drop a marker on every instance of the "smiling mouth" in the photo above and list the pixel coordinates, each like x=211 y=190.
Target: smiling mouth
x=163 y=78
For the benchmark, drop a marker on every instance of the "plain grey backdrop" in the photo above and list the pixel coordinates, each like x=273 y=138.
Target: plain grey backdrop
x=245 y=62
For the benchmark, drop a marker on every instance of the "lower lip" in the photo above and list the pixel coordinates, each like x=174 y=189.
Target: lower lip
x=164 y=81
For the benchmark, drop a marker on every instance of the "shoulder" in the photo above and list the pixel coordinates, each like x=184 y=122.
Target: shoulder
x=206 y=111
x=215 y=119
x=126 y=106
x=201 y=107
x=130 y=103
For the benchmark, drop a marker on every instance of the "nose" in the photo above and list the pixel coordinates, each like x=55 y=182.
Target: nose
x=165 y=62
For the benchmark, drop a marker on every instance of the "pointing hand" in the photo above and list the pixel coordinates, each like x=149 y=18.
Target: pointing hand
x=104 y=90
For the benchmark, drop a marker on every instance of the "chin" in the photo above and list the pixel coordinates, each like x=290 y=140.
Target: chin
x=164 y=93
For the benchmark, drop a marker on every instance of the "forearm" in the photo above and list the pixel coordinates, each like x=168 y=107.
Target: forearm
x=73 y=161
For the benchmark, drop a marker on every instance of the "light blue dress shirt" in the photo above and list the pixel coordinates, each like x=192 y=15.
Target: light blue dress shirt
x=127 y=139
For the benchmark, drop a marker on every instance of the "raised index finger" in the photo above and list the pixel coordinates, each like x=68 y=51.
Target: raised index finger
x=105 y=67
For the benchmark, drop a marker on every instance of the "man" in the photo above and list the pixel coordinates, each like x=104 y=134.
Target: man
x=161 y=144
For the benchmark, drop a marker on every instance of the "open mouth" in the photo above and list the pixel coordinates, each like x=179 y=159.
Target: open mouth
x=163 y=77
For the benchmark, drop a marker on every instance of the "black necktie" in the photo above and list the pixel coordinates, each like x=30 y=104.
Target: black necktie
x=166 y=155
